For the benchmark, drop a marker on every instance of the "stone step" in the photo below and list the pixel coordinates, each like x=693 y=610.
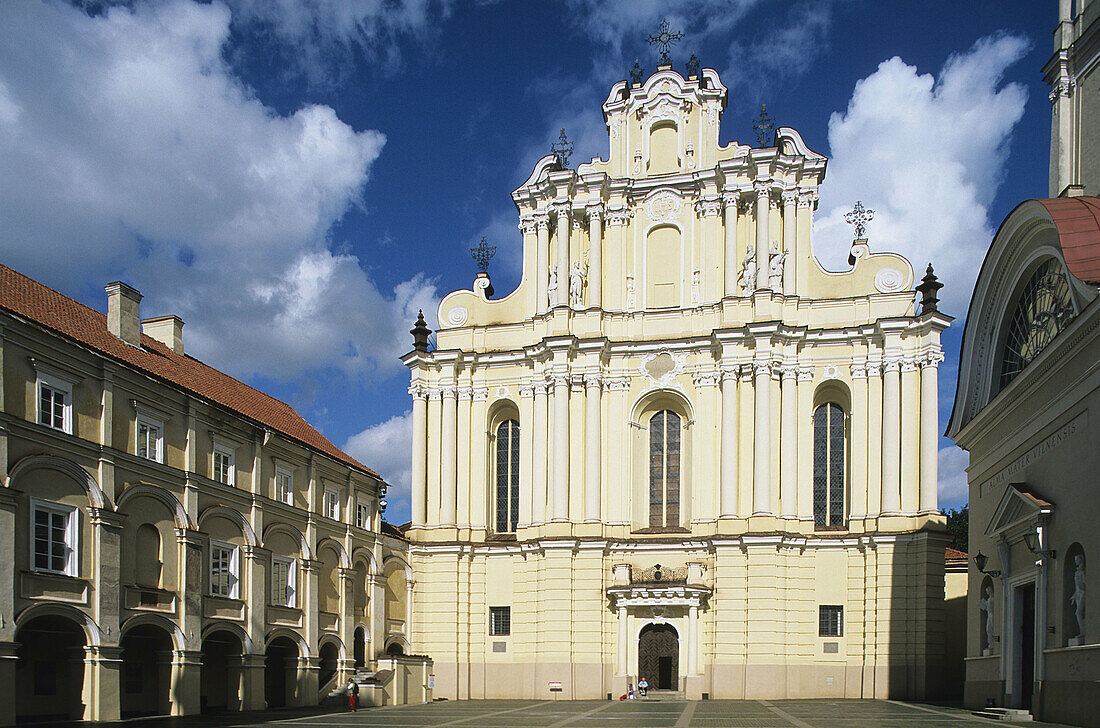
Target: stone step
x=664 y=695
x=1015 y=715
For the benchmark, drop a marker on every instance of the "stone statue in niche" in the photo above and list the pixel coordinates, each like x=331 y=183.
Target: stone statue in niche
x=985 y=607
x=552 y=287
x=576 y=285
x=775 y=273
x=1077 y=599
x=748 y=272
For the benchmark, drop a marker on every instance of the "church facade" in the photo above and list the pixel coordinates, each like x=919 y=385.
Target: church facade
x=680 y=449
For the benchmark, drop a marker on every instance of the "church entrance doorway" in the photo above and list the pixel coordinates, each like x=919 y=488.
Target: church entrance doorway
x=1024 y=647
x=659 y=656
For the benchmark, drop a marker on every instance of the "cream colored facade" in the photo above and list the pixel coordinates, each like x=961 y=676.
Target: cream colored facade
x=124 y=608
x=1075 y=104
x=553 y=396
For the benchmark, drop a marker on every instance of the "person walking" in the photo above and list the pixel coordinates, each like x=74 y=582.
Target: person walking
x=353 y=695
x=643 y=686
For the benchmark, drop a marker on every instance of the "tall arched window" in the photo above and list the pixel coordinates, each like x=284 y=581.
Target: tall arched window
x=507 y=476
x=664 y=470
x=829 y=466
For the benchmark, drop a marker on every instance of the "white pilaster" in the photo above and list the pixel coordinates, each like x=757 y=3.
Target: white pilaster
x=910 y=436
x=728 y=488
x=526 y=461
x=448 y=470
x=419 y=454
x=762 y=189
x=891 y=436
x=761 y=462
x=693 y=640
x=730 y=201
x=562 y=243
x=929 y=433
x=559 y=500
x=790 y=202
x=592 y=455
x=542 y=264
x=788 y=443
x=539 y=455
x=595 y=255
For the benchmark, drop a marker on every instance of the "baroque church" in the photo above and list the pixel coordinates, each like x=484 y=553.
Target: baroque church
x=681 y=449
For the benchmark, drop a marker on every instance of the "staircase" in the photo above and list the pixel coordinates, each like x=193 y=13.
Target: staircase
x=664 y=696
x=1014 y=715
x=338 y=694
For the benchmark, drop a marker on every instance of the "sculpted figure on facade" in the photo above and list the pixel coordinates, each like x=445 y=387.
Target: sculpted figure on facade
x=1077 y=599
x=576 y=285
x=748 y=272
x=552 y=287
x=985 y=606
x=775 y=275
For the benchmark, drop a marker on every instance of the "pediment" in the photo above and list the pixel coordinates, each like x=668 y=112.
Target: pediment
x=1018 y=506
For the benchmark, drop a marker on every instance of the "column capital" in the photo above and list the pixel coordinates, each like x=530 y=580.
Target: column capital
x=730 y=372
x=528 y=224
x=874 y=368
x=618 y=216
x=789 y=197
x=788 y=372
x=104 y=517
x=706 y=378
x=559 y=379
x=1062 y=87
x=594 y=210
x=593 y=381
x=708 y=207
x=732 y=197
x=480 y=394
x=762 y=187
x=465 y=394
x=892 y=364
x=448 y=392
x=616 y=384
x=418 y=391
x=527 y=389
x=560 y=208
x=932 y=359
x=766 y=367
x=910 y=364
x=805 y=373
x=807 y=198
x=859 y=370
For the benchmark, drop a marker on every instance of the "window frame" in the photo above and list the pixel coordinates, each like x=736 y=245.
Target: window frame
x=662 y=504
x=233 y=563
x=497 y=629
x=362 y=515
x=144 y=419
x=72 y=537
x=332 y=512
x=828 y=524
x=287 y=497
x=832 y=627
x=228 y=450
x=290 y=589
x=52 y=380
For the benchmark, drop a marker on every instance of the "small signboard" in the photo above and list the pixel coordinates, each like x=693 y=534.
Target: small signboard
x=555 y=687
x=431 y=681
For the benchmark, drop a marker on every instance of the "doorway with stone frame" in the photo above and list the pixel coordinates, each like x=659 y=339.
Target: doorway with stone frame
x=659 y=656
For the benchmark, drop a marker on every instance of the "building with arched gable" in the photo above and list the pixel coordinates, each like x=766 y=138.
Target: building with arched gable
x=1028 y=388
x=680 y=449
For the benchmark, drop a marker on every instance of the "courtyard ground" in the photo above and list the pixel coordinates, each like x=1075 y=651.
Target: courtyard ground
x=610 y=714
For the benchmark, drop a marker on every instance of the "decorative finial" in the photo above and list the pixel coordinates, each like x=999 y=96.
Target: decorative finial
x=420 y=332
x=483 y=253
x=929 y=288
x=664 y=39
x=692 y=66
x=858 y=218
x=764 y=127
x=637 y=73
x=562 y=150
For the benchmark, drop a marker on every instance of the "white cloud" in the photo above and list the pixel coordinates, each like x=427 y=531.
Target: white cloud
x=140 y=153
x=953 y=488
x=321 y=34
x=927 y=154
x=387 y=449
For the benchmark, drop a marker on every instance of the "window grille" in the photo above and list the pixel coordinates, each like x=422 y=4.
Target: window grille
x=829 y=460
x=830 y=621
x=500 y=621
x=507 y=476
x=664 y=470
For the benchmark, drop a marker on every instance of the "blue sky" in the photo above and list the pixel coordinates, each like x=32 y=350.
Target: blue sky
x=296 y=179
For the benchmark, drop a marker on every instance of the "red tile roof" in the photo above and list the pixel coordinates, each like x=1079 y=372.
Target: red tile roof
x=1078 y=223
x=46 y=307
x=955 y=554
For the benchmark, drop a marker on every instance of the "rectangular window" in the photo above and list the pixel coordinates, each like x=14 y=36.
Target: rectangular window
x=830 y=621
x=284 y=486
x=331 y=505
x=500 y=621
x=282 y=582
x=223 y=570
x=150 y=440
x=362 y=515
x=53 y=532
x=223 y=465
x=55 y=398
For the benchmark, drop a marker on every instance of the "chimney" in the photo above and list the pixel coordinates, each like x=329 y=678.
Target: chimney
x=168 y=330
x=122 y=312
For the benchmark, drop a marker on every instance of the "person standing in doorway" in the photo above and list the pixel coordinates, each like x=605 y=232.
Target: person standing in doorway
x=353 y=695
x=643 y=686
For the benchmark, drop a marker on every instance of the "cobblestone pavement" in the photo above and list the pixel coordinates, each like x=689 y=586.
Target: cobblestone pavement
x=631 y=714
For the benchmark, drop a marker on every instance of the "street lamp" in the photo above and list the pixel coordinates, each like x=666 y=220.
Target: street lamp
x=980 y=561
x=1032 y=541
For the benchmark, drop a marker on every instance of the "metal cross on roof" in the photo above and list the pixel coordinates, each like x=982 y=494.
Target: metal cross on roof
x=562 y=150
x=764 y=126
x=858 y=218
x=483 y=253
x=664 y=39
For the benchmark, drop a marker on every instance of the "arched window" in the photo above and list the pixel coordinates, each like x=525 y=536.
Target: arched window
x=664 y=470
x=507 y=494
x=1045 y=308
x=829 y=466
